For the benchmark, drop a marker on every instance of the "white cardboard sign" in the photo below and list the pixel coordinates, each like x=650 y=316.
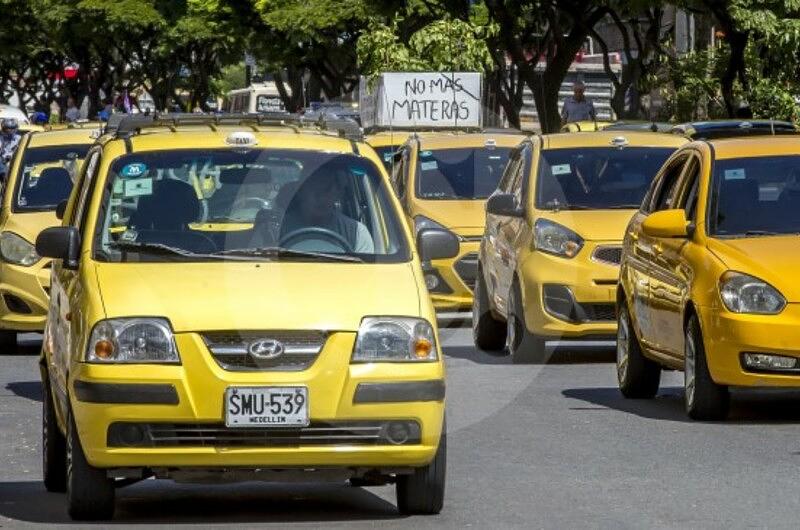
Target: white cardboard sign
x=423 y=100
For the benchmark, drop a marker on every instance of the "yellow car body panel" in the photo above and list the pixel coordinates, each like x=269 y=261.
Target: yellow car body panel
x=466 y=218
x=240 y=295
x=585 y=126
x=700 y=260
x=30 y=284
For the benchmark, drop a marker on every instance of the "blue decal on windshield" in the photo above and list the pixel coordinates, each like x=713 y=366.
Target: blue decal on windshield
x=133 y=170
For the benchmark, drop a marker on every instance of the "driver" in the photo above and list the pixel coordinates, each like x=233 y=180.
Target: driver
x=314 y=206
x=9 y=141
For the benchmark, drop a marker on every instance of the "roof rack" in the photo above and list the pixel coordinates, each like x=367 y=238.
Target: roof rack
x=125 y=125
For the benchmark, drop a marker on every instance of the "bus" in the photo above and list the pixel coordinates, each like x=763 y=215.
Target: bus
x=261 y=97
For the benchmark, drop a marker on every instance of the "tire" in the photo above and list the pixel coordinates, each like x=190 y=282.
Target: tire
x=8 y=342
x=54 y=446
x=422 y=492
x=704 y=399
x=638 y=376
x=90 y=493
x=524 y=346
x=488 y=333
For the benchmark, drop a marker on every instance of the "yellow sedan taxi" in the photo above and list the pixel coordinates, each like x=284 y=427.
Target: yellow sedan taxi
x=40 y=178
x=550 y=255
x=708 y=283
x=200 y=339
x=443 y=180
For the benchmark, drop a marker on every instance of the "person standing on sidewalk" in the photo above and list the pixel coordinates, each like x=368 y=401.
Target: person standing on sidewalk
x=577 y=107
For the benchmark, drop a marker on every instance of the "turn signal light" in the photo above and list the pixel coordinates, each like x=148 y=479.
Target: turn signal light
x=422 y=348
x=104 y=349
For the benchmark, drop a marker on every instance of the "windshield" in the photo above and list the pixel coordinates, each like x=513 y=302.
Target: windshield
x=458 y=174
x=46 y=176
x=597 y=178
x=755 y=196
x=247 y=204
x=386 y=154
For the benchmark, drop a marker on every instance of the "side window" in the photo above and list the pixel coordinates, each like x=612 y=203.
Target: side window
x=399 y=172
x=689 y=188
x=664 y=193
x=79 y=213
x=509 y=172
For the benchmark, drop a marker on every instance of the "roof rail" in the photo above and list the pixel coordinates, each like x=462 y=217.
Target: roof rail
x=125 y=125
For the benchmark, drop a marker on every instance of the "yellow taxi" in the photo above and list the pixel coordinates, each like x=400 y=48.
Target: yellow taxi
x=443 y=180
x=205 y=340
x=386 y=143
x=40 y=178
x=584 y=126
x=550 y=255
x=708 y=281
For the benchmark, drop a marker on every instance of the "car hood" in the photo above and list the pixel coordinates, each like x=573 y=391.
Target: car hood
x=774 y=259
x=258 y=295
x=29 y=225
x=465 y=218
x=592 y=225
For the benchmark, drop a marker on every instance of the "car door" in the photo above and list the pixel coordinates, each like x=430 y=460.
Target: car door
x=65 y=288
x=510 y=230
x=671 y=273
x=493 y=256
x=643 y=251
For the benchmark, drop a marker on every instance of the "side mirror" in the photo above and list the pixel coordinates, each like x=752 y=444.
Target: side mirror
x=61 y=209
x=504 y=204
x=433 y=243
x=666 y=223
x=60 y=242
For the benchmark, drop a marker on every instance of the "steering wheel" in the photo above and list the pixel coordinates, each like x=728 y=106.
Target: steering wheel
x=313 y=232
x=253 y=202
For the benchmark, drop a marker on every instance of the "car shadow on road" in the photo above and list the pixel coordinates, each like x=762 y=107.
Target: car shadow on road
x=748 y=406
x=573 y=353
x=26 y=389
x=152 y=502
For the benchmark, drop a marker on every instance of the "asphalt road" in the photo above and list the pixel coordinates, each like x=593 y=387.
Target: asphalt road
x=534 y=447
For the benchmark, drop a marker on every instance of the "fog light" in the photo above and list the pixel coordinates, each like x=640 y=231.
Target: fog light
x=431 y=281
x=131 y=434
x=764 y=361
x=397 y=432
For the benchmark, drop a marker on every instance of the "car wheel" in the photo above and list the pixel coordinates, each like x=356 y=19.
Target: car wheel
x=705 y=399
x=422 y=492
x=638 y=376
x=54 y=446
x=524 y=346
x=90 y=493
x=488 y=333
x=8 y=342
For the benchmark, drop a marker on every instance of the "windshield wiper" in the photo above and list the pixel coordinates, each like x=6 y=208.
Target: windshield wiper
x=555 y=206
x=756 y=233
x=280 y=252
x=160 y=248
x=623 y=207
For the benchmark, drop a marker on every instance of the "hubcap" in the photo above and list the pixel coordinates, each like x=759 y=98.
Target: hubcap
x=623 y=353
x=690 y=358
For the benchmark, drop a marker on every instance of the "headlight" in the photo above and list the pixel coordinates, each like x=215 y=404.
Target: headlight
x=742 y=293
x=14 y=249
x=393 y=339
x=421 y=222
x=555 y=239
x=132 y=340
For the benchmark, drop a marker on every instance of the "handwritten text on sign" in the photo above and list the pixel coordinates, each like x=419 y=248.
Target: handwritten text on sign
x=433 y=99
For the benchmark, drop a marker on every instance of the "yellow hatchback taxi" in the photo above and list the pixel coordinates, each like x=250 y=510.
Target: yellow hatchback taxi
x=708 y=283
x=40 y=178
x=443 y=180
x=202 y=339
x=549 y=259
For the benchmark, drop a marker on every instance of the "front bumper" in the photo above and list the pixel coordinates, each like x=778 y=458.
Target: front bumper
x=727 y=335
x=24 y=296
x=200 y=383
x=570 y=298
x=457 y=279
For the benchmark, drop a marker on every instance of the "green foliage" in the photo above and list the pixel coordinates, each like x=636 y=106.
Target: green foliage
x=444 y=45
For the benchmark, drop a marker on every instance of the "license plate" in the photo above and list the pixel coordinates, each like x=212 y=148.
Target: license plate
x=280 y=406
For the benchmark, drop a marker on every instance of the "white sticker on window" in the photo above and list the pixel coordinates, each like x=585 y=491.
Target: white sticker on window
x=734 y=174
x=561 y=169
x=135 y=188
x=429 y=165
x=119 y=187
